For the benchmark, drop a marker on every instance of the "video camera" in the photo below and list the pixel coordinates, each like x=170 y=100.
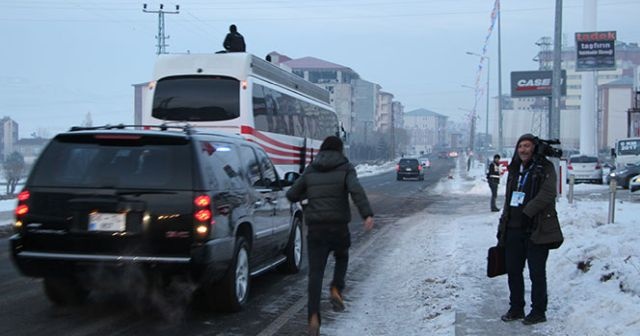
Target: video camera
x=545 y=147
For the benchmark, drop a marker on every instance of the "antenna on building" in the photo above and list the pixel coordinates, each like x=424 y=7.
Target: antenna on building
x=162 y=46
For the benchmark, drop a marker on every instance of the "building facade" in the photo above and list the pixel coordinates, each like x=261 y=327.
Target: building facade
x=426 y=130
x=333 y=77
x=8 y=137
x=614 y=100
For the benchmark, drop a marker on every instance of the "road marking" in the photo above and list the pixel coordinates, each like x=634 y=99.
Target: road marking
x=274 y=327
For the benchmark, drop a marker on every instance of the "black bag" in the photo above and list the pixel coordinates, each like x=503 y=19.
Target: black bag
x=495 y=262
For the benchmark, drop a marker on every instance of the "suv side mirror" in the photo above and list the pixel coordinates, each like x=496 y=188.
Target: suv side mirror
x=289 y=178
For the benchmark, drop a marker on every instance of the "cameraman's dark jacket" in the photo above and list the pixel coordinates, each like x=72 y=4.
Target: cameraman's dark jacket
x=327 y=183
x=539 y=211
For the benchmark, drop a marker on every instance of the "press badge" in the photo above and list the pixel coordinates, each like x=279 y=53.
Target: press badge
x=517 y=198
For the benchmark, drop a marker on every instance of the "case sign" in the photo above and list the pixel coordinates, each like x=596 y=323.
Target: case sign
x=535 y=83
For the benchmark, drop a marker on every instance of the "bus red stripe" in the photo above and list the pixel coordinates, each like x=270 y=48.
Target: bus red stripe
x=277 y=161
x=250 y=130
x=274 y=151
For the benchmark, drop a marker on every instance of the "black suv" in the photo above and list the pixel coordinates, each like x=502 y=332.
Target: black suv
x=409 y=168
x=206 y=207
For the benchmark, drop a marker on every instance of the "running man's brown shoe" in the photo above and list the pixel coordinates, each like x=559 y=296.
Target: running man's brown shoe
x=335 y=297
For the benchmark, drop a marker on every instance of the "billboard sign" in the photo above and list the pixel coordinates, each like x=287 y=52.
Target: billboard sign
x=596 y=51
x=535 y=83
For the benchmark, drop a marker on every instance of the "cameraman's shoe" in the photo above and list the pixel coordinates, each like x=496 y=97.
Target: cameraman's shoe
x=335 y=297
x=512 y=315
x=534 y=318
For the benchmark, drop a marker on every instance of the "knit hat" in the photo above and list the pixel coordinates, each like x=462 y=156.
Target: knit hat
x=515 y=160
x=527 y=136
x=332 y=143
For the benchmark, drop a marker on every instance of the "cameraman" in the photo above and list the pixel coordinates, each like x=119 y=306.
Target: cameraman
x=529 y=227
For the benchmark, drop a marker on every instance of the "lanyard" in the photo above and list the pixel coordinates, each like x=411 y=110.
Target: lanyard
x=523 y=179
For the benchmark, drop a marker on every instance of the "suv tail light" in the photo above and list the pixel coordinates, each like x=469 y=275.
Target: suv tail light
x=397 y=167
x=22 y=208
x=419 y=167
x=570 y=167
x=203 y=216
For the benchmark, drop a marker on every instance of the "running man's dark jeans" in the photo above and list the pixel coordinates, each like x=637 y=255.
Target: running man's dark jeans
x=318 y=247
x=519 y=248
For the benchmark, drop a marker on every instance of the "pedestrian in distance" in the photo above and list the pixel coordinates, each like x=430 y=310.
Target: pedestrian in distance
x=493 y=178
x=234 y=41
x=326 y=185
x=529 y=228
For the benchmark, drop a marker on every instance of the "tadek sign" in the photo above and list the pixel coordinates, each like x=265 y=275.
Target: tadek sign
x=596 y=51
x=535 y=83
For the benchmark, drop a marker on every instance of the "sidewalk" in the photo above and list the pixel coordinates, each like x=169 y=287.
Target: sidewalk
x=431 y=280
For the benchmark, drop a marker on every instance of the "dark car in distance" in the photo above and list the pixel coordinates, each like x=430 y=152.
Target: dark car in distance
x=208 y=207
x=409 y=168
x=624 y=175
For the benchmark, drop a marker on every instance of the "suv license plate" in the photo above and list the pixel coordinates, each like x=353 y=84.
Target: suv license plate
x=106 y=221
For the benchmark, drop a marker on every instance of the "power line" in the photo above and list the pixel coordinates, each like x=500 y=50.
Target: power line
x=162 y=45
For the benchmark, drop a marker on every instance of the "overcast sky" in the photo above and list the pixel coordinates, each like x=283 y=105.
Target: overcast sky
x=62 y=59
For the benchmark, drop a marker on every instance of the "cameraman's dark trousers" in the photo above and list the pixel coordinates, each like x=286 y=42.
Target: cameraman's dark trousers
x=518 y=248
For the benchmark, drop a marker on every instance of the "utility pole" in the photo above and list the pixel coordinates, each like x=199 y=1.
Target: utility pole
x=162 y=46
x=554 y=113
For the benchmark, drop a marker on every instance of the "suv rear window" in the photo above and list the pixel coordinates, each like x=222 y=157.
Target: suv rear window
x=96 y=164
x=409 y=162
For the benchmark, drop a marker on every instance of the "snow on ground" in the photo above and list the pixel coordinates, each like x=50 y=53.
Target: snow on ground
x=432 y=282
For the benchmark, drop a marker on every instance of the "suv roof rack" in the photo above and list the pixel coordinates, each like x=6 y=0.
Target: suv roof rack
x=188 y=129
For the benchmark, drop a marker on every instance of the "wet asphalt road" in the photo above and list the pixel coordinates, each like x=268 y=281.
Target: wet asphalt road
x=277 y=305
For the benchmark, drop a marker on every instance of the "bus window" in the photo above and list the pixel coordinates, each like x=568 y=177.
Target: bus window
x=259 y=108
x=197 y=98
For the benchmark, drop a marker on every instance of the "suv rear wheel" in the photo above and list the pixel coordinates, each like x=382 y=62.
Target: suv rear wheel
x=231 y=293
x=294 y=248
x=65 y=291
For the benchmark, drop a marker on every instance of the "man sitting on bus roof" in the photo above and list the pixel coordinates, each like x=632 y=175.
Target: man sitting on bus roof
x=234 y=42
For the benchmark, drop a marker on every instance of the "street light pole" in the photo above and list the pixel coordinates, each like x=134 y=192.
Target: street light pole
x=486 y=121
x=500 y=138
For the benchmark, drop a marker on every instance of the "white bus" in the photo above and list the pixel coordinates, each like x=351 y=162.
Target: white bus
x=626 y=151
x=243 y=94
